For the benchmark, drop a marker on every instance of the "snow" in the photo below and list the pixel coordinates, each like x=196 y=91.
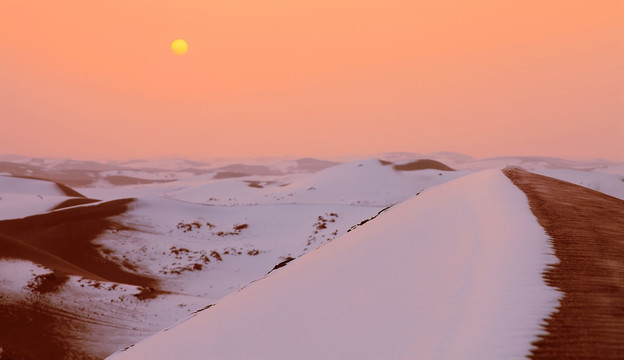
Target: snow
x=172 y=164
x=453 y=273
x=365 y=182
x=20 y=197
x=109 y=312
x=18 y=206
x=282 y=215
x=148 y=175
x=609 y=184
x=104 y=190
x=616 y=169
x=15 y=275
x=167 y=238
x=18 y=185
x=533 y=163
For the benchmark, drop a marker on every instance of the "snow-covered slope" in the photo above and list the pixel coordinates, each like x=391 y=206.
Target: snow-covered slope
x=21 y=197
x=609 y=184
x=534 y=163
x=366 y=182
x=211 y=251
x=453 y=273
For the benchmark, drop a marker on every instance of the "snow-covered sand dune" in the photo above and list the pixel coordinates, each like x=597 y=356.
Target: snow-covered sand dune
x=21 y=196
x=211 y=251
x=453 y=273
x=364 y=183
x=90 y=279
x=94 y=278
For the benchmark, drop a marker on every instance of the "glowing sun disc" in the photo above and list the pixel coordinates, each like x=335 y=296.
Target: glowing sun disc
x=179 y=47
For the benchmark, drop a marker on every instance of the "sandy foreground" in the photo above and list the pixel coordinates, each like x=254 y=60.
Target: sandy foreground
x=587 y=232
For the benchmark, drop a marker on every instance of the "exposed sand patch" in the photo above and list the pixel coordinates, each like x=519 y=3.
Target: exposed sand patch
x=12 y=248
x=67 y=234
x=19 y=320
x=120 y=180
x=229 y=174
x=422 y=164
x=587 y=231
x=254 y=184
x=60 y=318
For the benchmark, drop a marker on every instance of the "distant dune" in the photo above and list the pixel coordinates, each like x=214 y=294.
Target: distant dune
x=247 y=169
x=312 y=165
x=120 y=180
x=229 y=174
x=73 y=173
x=27 y=195
x=422 y=164
x=64 y=188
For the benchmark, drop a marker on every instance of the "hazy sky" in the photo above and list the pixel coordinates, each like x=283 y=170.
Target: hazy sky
x=312 y=78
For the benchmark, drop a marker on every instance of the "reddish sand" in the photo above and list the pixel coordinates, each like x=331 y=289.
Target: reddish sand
x=229 y=174
x=32 y=330
x=422 y=164
x=67 y=234
x=120 y=180
x=587 y=232
x=32 y=327
x=12 y=248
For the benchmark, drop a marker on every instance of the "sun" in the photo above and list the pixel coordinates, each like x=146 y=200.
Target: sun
x=179 y=47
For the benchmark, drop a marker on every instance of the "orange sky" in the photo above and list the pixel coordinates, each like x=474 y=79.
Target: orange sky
x=88 y=79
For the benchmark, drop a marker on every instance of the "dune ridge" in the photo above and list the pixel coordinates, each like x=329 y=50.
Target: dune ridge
x=587 y=235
